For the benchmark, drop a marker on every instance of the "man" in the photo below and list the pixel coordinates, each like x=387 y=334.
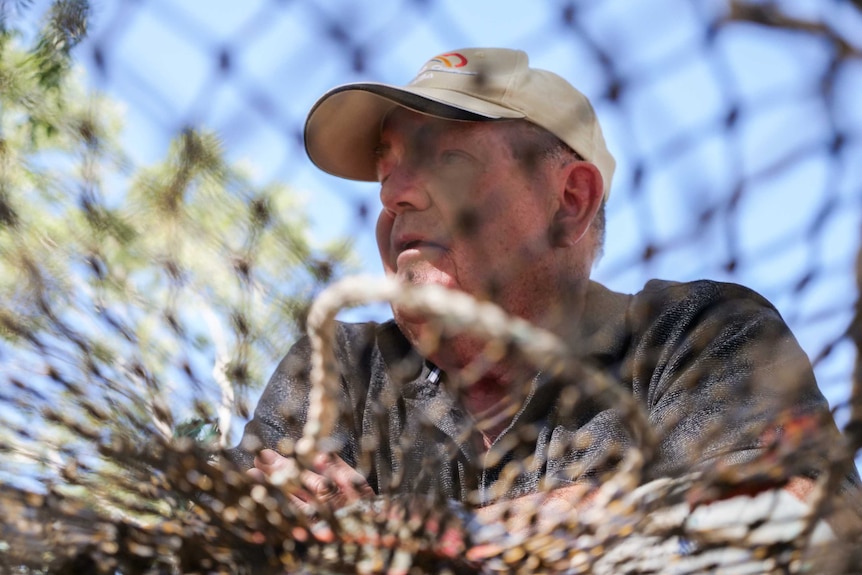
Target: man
x=493 y=180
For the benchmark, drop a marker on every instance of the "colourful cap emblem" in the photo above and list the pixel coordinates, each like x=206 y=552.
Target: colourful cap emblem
x=449 y=60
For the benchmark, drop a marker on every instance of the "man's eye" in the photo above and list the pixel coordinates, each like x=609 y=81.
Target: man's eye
x=382 y=161
x=453 y=157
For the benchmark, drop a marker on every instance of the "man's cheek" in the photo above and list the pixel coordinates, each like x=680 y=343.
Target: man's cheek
x=383 y=231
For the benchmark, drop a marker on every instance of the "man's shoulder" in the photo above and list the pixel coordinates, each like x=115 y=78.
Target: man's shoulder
x=698 y=289
x=604 y=305
x=363 y=330
x=368 y=334
x=613 y=322
x=663 y=298
x=354 y=341
x=364 y=347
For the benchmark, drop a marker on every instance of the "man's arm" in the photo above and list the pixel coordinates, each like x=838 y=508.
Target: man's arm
x=725 y=384
x=282 y=410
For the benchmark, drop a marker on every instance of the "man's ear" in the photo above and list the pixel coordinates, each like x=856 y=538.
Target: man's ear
x=581 y=193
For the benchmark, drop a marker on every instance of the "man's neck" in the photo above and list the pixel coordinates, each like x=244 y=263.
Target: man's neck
x=494 y=400
x=495 y=394
x=487 y=396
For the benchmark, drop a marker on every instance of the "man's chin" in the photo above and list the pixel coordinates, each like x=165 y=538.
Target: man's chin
x=423 y=272
x=452 y=351
x=414 y=326
x=406 y=317
x=419 y=278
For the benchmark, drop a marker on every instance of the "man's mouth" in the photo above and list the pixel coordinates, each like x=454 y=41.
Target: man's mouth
x=416 y=244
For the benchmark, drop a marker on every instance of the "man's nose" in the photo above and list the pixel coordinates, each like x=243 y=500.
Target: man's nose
x=405 y=188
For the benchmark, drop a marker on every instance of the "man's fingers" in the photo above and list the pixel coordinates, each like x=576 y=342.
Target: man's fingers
x=319 y=486
x=256 y=474
x=277 y=468
x=346 y=479
x=269 y=460
x=331 y=481
x=302 y=505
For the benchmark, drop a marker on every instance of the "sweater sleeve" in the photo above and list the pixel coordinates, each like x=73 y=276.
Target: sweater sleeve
x=282 y=410
x=722 y=378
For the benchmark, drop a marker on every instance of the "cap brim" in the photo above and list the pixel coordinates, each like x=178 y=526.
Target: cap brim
x=343 y=127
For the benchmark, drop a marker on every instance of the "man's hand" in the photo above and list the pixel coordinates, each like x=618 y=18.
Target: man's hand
x=331 y=483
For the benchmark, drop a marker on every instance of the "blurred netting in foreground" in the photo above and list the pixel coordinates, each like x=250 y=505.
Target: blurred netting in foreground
x=143 y=298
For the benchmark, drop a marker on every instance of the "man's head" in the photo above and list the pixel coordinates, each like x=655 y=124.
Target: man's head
x=492 y=175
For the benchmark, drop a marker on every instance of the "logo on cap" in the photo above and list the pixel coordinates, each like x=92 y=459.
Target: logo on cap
x=449 y=60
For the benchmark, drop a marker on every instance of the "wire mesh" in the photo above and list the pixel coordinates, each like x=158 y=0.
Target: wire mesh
x=154 y=273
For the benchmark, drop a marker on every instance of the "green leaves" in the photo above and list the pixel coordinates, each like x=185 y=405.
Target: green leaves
x=131 y=297
x=65 y=26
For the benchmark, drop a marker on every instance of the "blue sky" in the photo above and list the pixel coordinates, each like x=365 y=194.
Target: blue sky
x=251 y=70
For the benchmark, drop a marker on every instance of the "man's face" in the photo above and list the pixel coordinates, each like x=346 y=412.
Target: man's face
x=458 y=210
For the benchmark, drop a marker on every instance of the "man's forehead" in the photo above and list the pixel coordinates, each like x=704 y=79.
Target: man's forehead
x=402 y=122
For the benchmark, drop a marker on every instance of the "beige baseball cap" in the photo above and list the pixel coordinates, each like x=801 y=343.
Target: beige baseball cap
x=471 y=84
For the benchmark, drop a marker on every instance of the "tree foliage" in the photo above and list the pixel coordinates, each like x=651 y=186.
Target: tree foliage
x=138 y=304
x=132 y=298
